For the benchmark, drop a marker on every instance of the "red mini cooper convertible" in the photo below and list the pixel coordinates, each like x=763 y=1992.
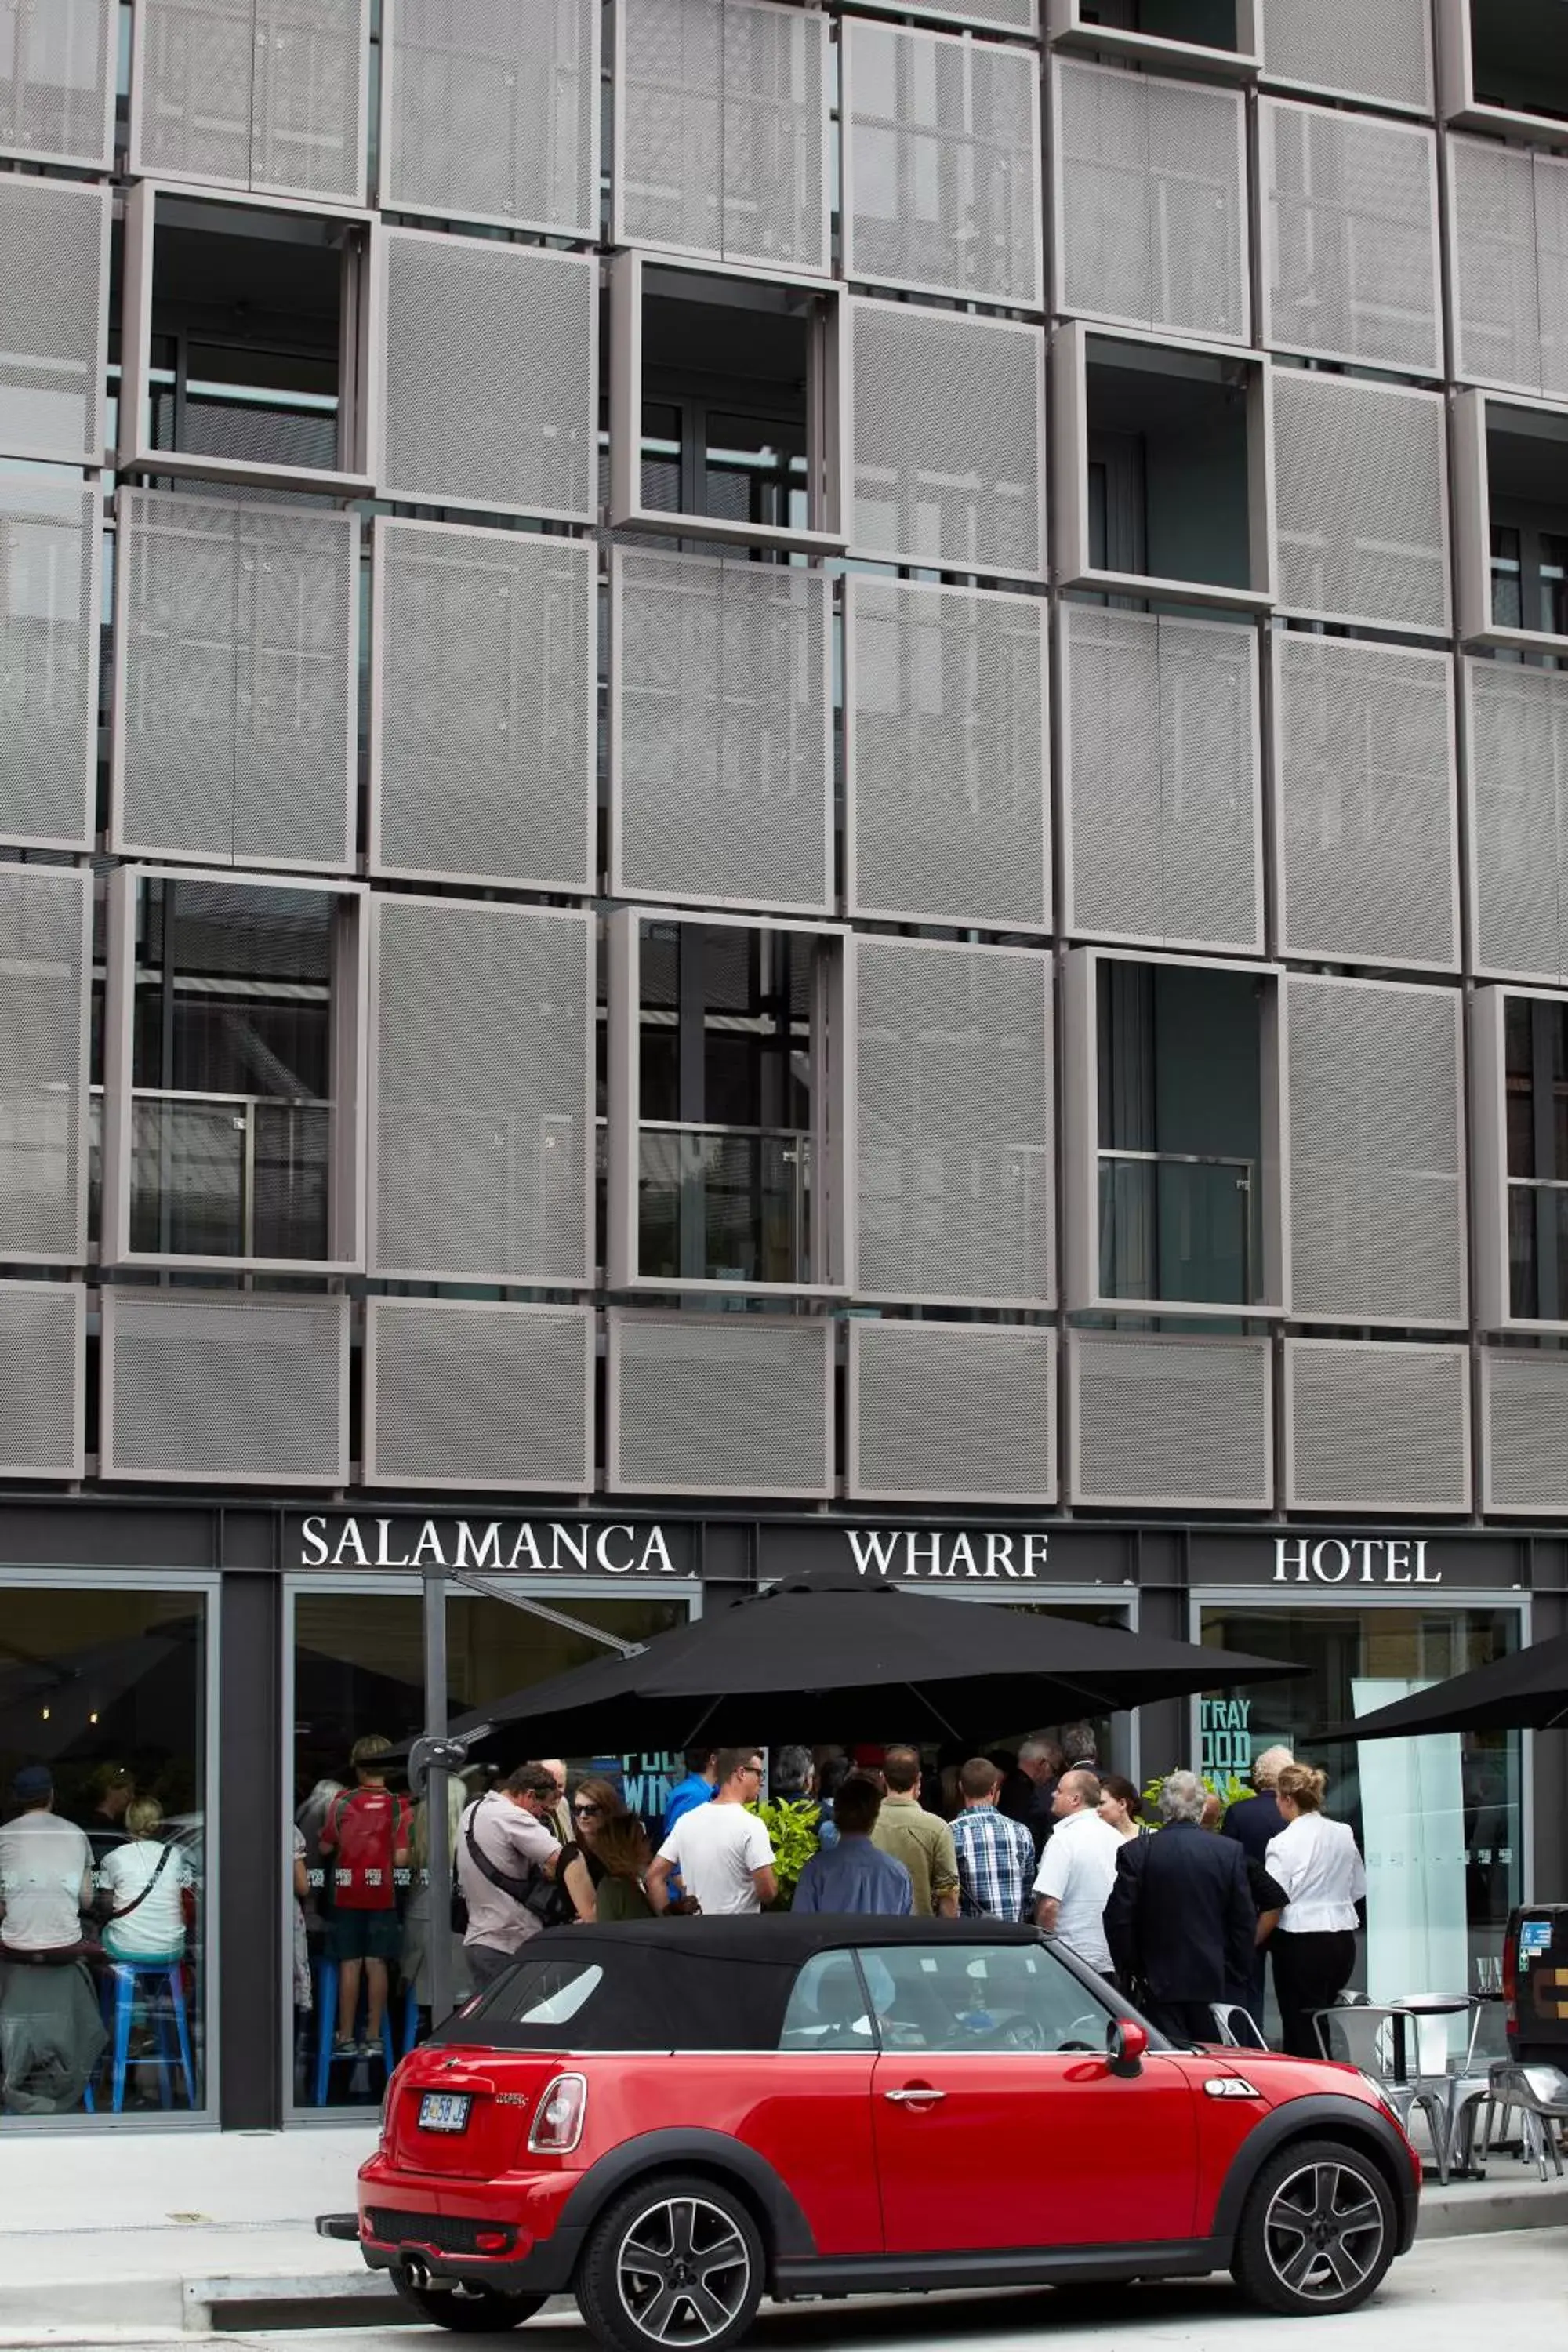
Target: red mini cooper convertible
x=671 y=2120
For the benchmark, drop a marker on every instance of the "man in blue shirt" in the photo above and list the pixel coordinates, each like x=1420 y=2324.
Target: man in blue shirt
x=696 y=1789
x=854 y=1875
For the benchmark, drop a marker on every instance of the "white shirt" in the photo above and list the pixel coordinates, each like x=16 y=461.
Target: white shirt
x=1077 y=1870
x=716 y=1848
x=157 y=1925
x=43 y=1861
x=1316 y=1863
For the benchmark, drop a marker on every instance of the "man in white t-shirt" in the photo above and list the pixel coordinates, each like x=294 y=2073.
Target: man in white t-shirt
x=1078 y=1871
x=724 y=1855
x=45 y=1870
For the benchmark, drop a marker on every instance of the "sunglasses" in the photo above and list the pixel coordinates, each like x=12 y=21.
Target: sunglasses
x=586 y=1812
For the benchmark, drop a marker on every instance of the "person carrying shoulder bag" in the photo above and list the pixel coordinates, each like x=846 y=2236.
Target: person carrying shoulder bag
x=505 y=1864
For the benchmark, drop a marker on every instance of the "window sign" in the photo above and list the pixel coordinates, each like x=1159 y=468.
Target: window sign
x=1224 y=1726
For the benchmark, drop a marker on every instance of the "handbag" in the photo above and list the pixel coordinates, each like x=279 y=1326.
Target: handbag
x=537 y=1894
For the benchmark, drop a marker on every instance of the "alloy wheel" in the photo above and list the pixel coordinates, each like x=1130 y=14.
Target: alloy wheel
x=1323 y=2231
x=682 y=2271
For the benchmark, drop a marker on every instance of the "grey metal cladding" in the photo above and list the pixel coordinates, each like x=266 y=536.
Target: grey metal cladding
x=265 y=95
x=1163 y=778
x=720 y=736
x=1518 y=738
x=45 y=956
x=1509 y=246
x=952 y=1089
x=482 y=1023
x=1350 y=212
x=1524 y=1431
x=194 y=66
x=480 y=1397
x=1170 y=1421
x=1152 y=190
x=1375 y=1152
x=945 y=751
x=493 y=112
x=54 y=318
x=1352 y=50
x=43 y=1367
x=1370 y=1425
x=951 y=1412
x=997 y=16
x=225 y=1388
x=482 y=714
x=50 y=544
x=489 y=387
x=1361 y=504
x=942 y=164
x=57 y=63
x=734 y=1404
x=947 y=417
x=1366 y=827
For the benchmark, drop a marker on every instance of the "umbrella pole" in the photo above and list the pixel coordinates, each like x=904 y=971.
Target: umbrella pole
x=437 y=1840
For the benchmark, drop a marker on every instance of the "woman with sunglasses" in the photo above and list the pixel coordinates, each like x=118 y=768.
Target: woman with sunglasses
x=595 y=1803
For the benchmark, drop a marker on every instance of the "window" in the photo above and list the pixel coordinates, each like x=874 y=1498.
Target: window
x=1219 y=35
x=1534 y=1114
x=827 y=2009
x=955 y=1998
x=1502 y=63
x=1512 y=491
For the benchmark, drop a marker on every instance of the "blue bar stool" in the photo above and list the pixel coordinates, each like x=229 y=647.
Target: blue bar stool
x=326 y=2031
x=156 y=1987
x=410 y=2019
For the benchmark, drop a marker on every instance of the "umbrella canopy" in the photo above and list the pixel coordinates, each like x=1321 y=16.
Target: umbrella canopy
x=800 y=1663
x=1526 y=1692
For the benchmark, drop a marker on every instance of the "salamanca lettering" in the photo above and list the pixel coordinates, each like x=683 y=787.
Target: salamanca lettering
x=510 y=1547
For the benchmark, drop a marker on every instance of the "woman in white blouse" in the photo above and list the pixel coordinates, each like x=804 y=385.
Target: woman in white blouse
x=1316 y=1863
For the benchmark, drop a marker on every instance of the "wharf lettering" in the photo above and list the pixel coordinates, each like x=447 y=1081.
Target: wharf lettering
x=512 y=1547
x=1358 y=1559
x=901 y=1552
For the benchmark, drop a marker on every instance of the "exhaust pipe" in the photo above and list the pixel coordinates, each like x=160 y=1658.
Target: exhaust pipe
x=417 y=2272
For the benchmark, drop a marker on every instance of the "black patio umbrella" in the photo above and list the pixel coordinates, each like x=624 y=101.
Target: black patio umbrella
x=1526 y=1692
x=796 y=1662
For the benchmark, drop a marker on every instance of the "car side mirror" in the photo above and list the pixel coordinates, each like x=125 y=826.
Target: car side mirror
x=1126 y=2046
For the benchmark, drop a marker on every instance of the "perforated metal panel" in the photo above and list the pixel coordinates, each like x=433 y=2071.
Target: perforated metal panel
x=51 y=535
x=944 y=720
x=308 y=97
x=237 y=680
x=1351 y=49
x=1376 y=1427
x=731 y=1404
x=1170 y=1421
x=942 y=141
x=1375 y=1145
x=1518 y=734
x=222 y=1387
x=477 y=1397
x=190 y=118
x=1524 y=1431
x=54 y=318
x=951 y=1412
x=1162 y=776
x=491 y=111
x=999 y=15
x=56 y=80
x=947 y=418
x=1350 y=208
x=1495 y=265
x=480 y=1069
x=953 y=1100
x=45 y=917
x=1363 y=778
x=1152 y=201
x=1361 y=503
x=720 y=757
x=1552 y=265
x=43 y=1361
x=489 y=376
x=482 y=742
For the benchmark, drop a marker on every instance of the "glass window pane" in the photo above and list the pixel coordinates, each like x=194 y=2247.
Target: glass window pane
x=1008 y=1997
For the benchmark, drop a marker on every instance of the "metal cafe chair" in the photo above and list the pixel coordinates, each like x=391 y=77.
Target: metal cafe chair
x=1374 y=2036
x=1227 y=2015
x=1538 y=2093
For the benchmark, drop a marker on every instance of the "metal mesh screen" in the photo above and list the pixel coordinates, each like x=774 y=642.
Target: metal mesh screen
x=1376 y=1195
x=1376 y=1427
x=1352 y=214
x=954 y=1097
x=236 y=679
x=1524 y=1439
x=1163 y=770
x=1494 y=264
x=42 y=1365
x=945 y=754
x=1153 y=201
x=953 y=1412
x=1518 y=732
x=735 y=1404
x=480 y=1396
x=195 y=69
x=1344 y=47
x=1360 y=497
x=482 y=1023
x=56 y=81
x=493 y=112
x=489 y=390
x=54 y=318
x=199 y=1386
x=1364 y=778
x=1170 y=1420
x=50 y=538
x=999 y=15
x=483 y=714
x=946 y=467
x=43 y=956
x=669 y=85
x=307 y=99
x=943 y=163
x=721 y=756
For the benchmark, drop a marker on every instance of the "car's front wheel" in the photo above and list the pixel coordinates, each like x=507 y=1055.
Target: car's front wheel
x=1318 y=2230
x=468 y=2310
x=677 y=2260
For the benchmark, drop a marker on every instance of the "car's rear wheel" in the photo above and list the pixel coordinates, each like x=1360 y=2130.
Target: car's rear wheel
x=677 y=2260
x=468 y=2310
x=1318 y=2230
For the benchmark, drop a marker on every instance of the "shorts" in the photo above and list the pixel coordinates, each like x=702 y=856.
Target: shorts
x=364 y=1936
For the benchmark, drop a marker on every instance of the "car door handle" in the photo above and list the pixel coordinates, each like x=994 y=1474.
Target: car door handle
x=918 y=2094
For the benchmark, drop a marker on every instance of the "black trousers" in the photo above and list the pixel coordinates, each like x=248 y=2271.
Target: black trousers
x=1309 y=1972
x=1183 y=2021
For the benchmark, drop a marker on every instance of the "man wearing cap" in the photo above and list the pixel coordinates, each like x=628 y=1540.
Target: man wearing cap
x=45 y=1873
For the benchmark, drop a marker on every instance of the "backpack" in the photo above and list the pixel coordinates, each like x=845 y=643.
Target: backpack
x=365 y=1825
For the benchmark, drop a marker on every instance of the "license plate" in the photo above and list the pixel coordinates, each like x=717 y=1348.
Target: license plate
x=445 y=2111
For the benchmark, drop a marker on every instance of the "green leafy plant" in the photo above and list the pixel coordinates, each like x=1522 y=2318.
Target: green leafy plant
x=1224 y=1785
x=792 y=1827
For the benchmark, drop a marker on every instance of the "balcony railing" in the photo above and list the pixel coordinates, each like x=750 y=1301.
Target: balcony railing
x=1176 y=1225
x=240 y=1176
x=725 y=1203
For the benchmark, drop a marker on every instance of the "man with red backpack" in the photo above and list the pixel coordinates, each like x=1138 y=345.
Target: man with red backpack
x=367 y=1829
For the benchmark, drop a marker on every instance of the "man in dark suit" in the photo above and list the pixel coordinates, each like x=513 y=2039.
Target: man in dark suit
x=1181 y=1921
x=1252 y=1822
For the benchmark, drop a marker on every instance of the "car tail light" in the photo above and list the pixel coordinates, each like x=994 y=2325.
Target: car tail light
x=558 y=2121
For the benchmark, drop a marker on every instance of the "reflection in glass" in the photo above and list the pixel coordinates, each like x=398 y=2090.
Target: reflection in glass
x=1174 y=1226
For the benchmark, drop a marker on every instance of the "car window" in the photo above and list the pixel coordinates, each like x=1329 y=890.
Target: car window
x=991 y=1997
x=542 y=1993
x=828 y=2007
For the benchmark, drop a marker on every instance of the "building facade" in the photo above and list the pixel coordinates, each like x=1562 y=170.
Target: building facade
x=781 y=793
